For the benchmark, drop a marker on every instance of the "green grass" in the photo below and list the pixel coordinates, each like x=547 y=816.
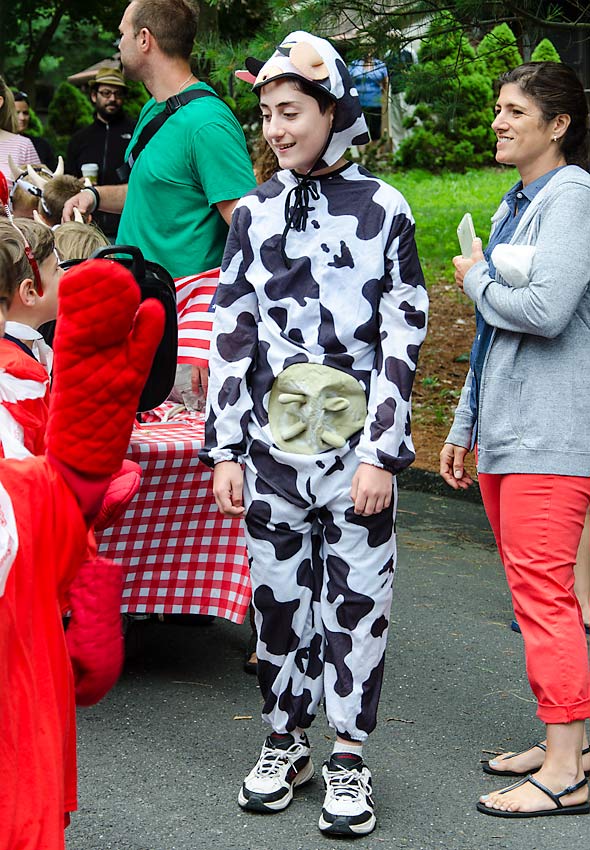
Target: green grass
x=439 y=201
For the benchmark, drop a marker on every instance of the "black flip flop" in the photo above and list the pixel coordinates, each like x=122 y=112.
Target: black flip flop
x=580 y=809
x=487 y=769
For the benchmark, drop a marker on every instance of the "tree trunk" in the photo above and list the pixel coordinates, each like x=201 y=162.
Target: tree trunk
x=37 y=51
x=208 y=19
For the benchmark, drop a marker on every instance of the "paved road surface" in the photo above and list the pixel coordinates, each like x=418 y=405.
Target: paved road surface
x=162 y=757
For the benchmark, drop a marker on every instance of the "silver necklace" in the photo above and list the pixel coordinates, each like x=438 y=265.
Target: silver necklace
x=186 y=82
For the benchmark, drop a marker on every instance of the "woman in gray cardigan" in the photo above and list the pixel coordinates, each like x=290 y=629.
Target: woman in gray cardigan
x=525 y=408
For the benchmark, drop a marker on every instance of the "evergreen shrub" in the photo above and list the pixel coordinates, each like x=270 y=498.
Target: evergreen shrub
x=451 y=122
x=498 y=52
x=545 y=52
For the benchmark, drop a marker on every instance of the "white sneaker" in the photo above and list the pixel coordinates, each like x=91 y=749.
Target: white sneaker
x=282 y=765
x=348 y=804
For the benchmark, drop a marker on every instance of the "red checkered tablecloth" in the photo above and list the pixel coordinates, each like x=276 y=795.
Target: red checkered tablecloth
x=180 y=554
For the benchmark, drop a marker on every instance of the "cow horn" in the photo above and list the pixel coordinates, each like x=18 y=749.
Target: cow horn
x=16 y=172
x=35 y=178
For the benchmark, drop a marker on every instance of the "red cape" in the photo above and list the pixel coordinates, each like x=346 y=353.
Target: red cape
x=37 y=708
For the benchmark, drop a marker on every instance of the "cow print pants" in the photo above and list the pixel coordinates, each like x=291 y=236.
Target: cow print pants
x=322 y=583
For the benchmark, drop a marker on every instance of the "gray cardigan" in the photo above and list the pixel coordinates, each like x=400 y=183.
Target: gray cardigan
x=534 y=400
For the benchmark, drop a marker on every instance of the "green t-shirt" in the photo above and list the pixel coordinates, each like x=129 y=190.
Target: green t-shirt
x=196 y=159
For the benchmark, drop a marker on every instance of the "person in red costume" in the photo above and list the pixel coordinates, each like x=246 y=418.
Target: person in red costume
x=47 y=504
x=94 y=639
x=25 y=359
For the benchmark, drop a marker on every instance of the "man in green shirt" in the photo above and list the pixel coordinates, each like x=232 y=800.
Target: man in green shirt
x=186 y=181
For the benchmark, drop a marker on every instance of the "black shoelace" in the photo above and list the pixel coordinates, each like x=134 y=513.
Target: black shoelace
x=296 y=215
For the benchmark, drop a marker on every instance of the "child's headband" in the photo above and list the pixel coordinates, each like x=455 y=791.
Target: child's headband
x=5 y=201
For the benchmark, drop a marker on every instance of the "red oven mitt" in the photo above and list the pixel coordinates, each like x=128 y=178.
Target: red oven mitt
x=123 y=486
x=94 y=635
x=104 y=347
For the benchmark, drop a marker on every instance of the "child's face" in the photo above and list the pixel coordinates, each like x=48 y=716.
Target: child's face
x=293 y=125
x=50 y=273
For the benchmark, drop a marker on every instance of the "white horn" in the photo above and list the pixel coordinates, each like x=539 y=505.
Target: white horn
x=39 y=220
x=16 y=172
x=59 y=168
x=78 y=216
x=35 y=178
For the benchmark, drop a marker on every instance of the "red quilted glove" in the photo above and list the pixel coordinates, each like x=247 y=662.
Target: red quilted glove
x=94 y=635
x=104 y=347
x=121 y=490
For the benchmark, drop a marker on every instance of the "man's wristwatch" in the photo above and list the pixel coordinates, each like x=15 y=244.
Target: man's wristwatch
x=94 y=191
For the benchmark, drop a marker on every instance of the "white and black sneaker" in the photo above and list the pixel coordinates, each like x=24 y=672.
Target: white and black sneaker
x=282 y=765
x=348 y=804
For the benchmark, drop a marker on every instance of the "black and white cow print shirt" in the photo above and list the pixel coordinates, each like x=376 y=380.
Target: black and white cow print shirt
x=354 y=299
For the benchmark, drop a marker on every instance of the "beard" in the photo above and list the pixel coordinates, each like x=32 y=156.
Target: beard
x=107 y=113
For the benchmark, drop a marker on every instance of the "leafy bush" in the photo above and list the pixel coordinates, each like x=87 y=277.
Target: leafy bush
x=69 y=110
x=498 y=52
x=35 y=127
x=545 y=52
x=216 y=62
x=451 y=122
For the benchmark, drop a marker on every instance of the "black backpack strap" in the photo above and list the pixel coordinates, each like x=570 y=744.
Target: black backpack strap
x=173 y=104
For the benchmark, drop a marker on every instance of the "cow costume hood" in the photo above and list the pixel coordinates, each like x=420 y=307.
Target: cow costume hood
x=314 y=60
x=307 y=57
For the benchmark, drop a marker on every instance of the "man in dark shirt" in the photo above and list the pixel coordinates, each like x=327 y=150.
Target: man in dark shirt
x=103 y=142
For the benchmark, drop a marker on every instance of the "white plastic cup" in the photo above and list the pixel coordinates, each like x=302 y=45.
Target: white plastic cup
x=90 y=172
x=183 y=391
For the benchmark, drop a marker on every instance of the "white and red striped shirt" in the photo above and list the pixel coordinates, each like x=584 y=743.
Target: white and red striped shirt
x=195 y=320
x=20 y=149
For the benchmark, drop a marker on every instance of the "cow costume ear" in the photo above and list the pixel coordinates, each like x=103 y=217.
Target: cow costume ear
x=308 y=61
x=268 y=71
x=246 y=77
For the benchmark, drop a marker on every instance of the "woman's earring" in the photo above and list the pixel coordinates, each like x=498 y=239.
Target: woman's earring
x=554 y=138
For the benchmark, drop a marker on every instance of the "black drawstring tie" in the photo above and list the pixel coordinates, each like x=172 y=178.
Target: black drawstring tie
x=296 y=215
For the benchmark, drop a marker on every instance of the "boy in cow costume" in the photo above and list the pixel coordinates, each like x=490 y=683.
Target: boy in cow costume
x=103 y=354
x=321 y=311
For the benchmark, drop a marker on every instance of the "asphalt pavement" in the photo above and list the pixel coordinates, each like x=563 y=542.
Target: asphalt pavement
x=161 y=759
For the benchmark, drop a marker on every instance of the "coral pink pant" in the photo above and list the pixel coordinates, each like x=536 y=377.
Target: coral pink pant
x=537 y=521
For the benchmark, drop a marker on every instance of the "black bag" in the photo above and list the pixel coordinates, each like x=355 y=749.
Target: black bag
x=173 y=104
x=154 y=282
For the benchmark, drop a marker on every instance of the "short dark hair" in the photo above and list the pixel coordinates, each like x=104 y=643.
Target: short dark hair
x=8 y=279
x=41 y=243
x=557 y=90
x=173 y=23
x=320 y=95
